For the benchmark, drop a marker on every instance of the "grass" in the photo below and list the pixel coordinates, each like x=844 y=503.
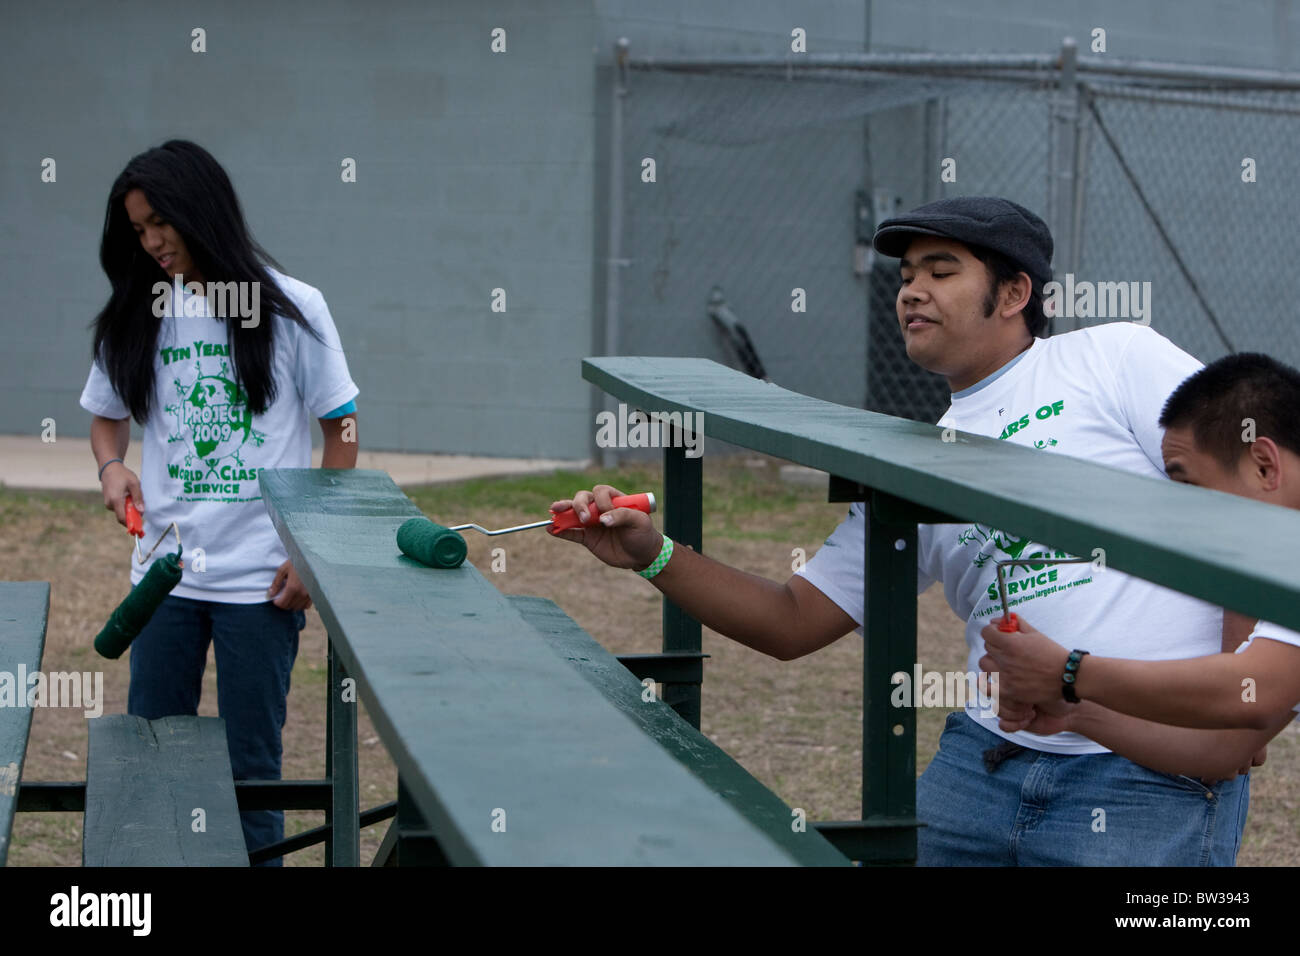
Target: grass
x=796 y=726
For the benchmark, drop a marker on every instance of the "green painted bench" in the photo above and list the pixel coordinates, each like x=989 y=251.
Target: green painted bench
x=696 y=752
x=508 y=752
x=144 y=778
x=160 y=793
x=24 y=611
x=1237 y=553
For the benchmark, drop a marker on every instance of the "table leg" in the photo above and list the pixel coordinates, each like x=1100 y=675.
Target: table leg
x=343 y=818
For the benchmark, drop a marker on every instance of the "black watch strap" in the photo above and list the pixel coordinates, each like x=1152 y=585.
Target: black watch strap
x=1071 y=672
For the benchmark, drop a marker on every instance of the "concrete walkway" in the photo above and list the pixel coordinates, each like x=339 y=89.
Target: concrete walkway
x=67 y=464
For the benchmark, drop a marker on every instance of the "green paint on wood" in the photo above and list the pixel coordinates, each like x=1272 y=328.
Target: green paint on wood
x=144 y=781
x=1227 y=550
x=24 y=610
x=687 y=745
x=511 y=756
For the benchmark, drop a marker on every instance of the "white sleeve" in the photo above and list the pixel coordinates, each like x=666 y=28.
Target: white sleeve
x=1147 y=369
x=321 y=370
x=837 y=568
x=99 y=397
x=1273 y=633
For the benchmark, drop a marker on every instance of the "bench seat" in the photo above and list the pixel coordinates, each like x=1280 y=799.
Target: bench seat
x=145 y=779
x=719 y=772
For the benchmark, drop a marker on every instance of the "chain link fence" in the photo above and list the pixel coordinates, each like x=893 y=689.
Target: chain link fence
x=1167 y=203
x=753 y=188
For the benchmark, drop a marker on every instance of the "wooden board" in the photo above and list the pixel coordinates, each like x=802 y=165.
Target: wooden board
x=1223 y=549
x=687 y=745
x=487 y=726
x=144 y=780
x=24 y=610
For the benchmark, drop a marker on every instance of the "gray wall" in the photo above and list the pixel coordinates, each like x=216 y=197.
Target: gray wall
x=674 y=28
x=474 y=172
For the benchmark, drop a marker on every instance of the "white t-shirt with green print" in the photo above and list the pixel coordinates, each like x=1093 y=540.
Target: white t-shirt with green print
x=1095 y=393
x=202 y=451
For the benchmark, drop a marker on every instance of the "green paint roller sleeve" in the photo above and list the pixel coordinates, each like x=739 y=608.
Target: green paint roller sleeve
x=430 y=543
x=133 y=614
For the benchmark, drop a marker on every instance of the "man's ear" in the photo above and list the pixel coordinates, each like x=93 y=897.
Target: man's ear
x=1014 y=294
x=1265 y=463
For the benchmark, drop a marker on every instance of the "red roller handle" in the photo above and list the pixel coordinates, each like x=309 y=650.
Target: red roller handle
x=134 y=521
x=1009 y=624
x=567 y=520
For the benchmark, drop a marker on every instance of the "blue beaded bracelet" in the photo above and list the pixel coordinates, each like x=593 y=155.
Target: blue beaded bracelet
x=1070 y=675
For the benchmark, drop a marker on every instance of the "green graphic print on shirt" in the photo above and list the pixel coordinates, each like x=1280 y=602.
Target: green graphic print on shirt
x=212 y=421
x=1024 y=583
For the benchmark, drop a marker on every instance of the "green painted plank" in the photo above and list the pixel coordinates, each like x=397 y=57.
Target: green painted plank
x=687 y=745
x=479 y=715
x=1227 y=550
x=24 y=610
x=145 y=778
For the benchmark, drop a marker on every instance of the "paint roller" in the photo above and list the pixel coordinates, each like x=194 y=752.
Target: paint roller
x=130 y=617
x=439 y=546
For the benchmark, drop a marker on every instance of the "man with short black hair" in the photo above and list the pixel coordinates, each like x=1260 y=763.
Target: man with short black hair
x=1218 y=400
x=1231 y=427
x=972 y=271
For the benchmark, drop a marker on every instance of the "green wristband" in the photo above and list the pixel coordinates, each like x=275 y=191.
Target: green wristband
x=658 y=563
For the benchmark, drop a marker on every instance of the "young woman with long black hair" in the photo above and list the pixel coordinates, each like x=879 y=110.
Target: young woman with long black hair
x=221 y=392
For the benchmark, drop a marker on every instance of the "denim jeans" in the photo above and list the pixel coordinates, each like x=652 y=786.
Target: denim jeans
x=1042 y=809
x=255 y=645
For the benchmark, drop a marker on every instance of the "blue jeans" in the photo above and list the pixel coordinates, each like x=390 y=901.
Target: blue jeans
x=256 y=645
x=1042 y=809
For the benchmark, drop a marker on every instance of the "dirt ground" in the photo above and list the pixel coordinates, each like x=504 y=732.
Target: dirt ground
x=795 y=725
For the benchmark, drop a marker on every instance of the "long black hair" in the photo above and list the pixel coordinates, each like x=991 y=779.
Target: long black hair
x=189 y=190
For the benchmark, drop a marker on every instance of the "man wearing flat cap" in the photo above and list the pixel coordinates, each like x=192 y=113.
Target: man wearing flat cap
x=971 y=309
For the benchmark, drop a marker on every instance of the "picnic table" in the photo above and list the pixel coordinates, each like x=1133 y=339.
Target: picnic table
x=507 y=753
x=1236 y=552
x=519 y=739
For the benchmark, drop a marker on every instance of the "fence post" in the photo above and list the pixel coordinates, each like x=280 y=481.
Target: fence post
x=1063 y=174
x=614 y=261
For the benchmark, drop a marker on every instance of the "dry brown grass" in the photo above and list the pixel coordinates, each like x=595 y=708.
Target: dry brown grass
x=796 y=726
